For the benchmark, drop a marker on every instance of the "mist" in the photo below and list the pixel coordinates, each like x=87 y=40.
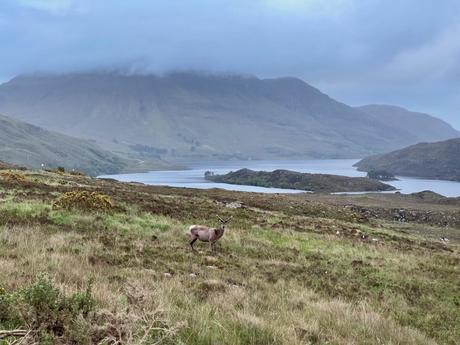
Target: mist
x=359 y=52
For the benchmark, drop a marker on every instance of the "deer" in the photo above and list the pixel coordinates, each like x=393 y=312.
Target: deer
x=207 y=234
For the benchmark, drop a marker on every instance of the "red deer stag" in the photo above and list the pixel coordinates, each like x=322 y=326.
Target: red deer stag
x=206 y=234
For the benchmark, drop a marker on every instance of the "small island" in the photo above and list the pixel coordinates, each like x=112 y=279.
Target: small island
x=318 y=183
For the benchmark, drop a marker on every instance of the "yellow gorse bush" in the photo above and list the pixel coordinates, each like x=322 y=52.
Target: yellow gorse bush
x=84 y=200
x=13 y=176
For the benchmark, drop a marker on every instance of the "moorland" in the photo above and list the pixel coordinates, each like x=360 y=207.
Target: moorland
x=96 y=261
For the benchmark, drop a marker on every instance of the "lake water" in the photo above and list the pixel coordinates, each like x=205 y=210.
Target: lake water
x=194 y=177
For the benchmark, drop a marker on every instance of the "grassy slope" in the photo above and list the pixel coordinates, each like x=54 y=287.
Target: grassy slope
x=27 y=145
x=290 y=270
x=439 y=160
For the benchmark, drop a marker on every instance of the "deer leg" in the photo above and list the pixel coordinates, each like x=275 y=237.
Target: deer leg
x=192 y=241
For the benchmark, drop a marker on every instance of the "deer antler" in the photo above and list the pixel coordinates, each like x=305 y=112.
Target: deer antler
x=223 y=221
x=229 y=219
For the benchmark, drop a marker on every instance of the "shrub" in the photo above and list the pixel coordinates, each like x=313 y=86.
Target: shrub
x=58 y=170
x=14 y=176
x=8 y=316
x=47 y=308
x=84 y=200
x=77 y=173
x=48 y=312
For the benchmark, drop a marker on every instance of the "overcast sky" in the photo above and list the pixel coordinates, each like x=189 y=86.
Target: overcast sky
x=402 y=52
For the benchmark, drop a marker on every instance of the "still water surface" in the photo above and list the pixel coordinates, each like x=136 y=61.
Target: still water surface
x=194 y=177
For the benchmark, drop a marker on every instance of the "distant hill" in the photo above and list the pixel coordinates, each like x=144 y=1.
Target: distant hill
x=31 y=146
x=303 y=181
x=419 y=127
x=440 y=160
x=186 y=115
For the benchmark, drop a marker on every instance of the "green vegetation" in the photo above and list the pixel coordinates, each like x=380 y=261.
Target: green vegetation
x=294 y=180
x=270 y=118
x=24 y=144
x=381 y=175
x=44 y=308
x=84 y=200
x=440 y=160
x=294 y=269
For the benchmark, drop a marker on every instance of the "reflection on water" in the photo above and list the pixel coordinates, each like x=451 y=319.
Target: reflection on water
x=194 y=178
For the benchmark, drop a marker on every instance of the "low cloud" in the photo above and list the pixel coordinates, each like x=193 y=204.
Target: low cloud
x=361 y=52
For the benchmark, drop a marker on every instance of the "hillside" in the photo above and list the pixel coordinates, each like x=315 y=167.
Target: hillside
x=440 y=160
x=183 y=115
x=87 y=261
x=294 y=180
x=419 y=127
x=27 y=145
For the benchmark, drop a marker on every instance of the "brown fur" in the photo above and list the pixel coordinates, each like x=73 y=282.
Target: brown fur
x=206 y=234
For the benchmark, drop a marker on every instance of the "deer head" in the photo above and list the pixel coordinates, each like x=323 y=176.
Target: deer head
x=224 y=222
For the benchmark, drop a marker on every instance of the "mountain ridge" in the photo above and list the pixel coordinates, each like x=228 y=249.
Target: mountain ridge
x=203 y=115
x=400 y=116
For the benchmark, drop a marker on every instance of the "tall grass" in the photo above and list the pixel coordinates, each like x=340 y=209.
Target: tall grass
x=264 y=285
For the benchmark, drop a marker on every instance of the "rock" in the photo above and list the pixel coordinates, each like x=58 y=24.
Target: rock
x=235 y=204
x=168 y=275
x=400 y=215
x=210 y=259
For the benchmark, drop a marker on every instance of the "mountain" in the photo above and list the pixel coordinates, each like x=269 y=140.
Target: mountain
x=184 y=115
x=440 y=160
x=419 y=127
x=28 y=145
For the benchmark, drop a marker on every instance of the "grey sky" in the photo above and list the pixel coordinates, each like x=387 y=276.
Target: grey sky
x=358 y=51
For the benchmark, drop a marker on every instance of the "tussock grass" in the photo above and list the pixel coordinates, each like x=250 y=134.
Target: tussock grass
x=274 y=279
x=22 y=212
